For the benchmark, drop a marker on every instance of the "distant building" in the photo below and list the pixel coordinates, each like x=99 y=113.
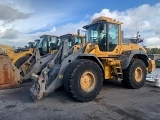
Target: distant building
x=154 y=56
x=158 y=63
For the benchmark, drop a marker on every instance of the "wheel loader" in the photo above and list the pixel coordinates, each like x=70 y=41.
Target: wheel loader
x=20 y=55
x=24 y=54
x=46 y=51
x=104 y=57
x=43 y=53
x=30 y=45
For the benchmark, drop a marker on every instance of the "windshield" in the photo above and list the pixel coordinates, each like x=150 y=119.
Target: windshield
x=78 y=40
x=104 y=34
x=36 y=44
x=69 y=38
x=47 y=43
x=30 y=45
x=43 y=42
x=92 y=33
x=53 y=40
x=72 y=40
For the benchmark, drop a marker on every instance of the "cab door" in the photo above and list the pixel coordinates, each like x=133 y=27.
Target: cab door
x=108 y=37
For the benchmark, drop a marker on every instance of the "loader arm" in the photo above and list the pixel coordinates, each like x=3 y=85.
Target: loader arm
x=52 y=75
x=41 y=56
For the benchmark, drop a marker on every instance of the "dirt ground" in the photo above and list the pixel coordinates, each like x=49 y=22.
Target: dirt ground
x=113 y=103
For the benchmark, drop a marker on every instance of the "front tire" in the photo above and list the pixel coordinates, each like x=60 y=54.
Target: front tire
x=83 y=80
x=21 y=60
x=135 y=74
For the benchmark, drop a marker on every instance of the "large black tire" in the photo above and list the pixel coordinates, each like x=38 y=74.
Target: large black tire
x=135 y=74
x=21 y=60
x=73 y=81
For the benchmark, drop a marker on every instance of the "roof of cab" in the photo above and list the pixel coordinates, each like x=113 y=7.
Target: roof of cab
x=107 y=19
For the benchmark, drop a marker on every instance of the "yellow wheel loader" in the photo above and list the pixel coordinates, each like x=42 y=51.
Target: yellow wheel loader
x=25 y=53
x=20 y=55
x=104 y=57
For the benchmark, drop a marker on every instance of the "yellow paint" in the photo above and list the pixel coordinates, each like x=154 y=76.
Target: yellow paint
x=87 y=81
x=107 y=71
x=152 y=65
x=138 y=74
x=109 y=58
x=15 y=56
x=22 y=54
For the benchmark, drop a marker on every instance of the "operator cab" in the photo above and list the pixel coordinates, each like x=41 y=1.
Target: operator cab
x=25 y=48
x=36 y=43
x=72 y=39
x=105 y=32
x=30 y=45
x=47 y=43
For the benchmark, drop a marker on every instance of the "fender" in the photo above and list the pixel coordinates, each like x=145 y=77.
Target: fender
x=91 y=57
x=127 y=56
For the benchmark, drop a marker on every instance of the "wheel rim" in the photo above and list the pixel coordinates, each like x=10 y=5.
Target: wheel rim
x=138 y=74
x=87 y=81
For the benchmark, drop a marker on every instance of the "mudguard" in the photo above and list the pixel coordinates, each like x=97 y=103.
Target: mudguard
x=127 y=56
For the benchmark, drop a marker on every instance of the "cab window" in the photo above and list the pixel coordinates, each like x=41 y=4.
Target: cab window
x=78 y=40
x=112 y=36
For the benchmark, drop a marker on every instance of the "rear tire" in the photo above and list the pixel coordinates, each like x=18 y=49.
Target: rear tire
x=83 y=80
x=135 y=74
x=21 y=60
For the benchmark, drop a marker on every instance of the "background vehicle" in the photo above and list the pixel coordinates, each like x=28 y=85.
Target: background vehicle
x=20 y=55
x=103 y=57
x=43 y=53
x=23 y=54
x=47 y=49
x=74 y=39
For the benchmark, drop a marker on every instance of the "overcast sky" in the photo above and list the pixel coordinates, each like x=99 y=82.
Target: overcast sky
x=22 y=21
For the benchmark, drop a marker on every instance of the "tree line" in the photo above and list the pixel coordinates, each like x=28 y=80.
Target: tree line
x=153 y=50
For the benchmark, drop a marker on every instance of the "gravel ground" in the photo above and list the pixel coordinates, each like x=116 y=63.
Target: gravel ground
x=113 y=103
